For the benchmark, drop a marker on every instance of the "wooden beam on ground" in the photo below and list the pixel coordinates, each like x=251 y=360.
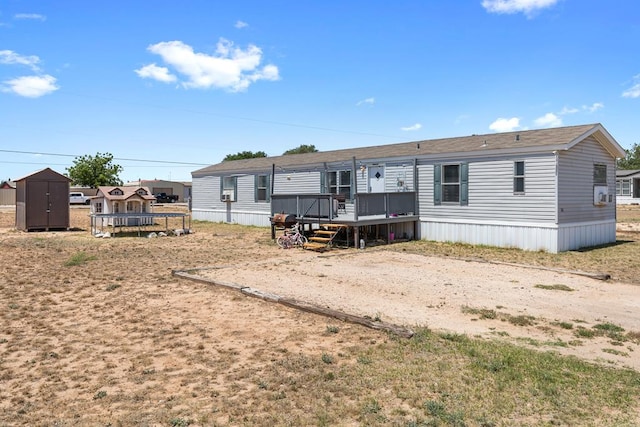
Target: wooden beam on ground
x=297 y=304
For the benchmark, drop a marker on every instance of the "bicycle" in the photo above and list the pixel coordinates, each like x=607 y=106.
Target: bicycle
x=292 y=238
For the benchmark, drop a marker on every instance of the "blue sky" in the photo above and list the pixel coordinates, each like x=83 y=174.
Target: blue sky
x=192 y=81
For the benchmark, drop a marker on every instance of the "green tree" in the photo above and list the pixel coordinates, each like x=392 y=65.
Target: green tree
x=632 y=159
x=244 y=155
x=94 y=171
x=304 y=148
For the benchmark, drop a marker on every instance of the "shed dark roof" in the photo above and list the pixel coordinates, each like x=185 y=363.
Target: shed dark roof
x=561 y=138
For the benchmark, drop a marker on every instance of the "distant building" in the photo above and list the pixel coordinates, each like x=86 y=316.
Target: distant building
x=182 y=189
x=628 y=187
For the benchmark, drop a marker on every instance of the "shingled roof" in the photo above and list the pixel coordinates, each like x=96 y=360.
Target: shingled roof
x=561 y=138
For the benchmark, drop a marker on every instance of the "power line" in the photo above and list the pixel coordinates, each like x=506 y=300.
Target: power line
x=227 y=116
x=115 y=158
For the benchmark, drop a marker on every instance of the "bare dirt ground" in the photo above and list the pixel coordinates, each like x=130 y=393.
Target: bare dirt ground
x=118 y=326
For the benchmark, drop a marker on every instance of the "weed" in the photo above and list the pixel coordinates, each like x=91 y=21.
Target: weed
x=371 y=407
x=521 y=320
x=583 y=332
x=100 y=395
x=615 y=352
x=112 y=287
x=327 y=358
x=79 y=258
x=556 y=287
x=364 y=360
x=608 y=328
x=332 y=329
x=180 y=422
x=484 y=313
x=563 y=325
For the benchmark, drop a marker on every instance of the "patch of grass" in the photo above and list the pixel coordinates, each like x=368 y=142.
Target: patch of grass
x=556 y=287
x=521 y=320
x=483 y=313
x=582 y=332
x=112 y=287
x=79 y=258
x=563 y=325
x=615 y=352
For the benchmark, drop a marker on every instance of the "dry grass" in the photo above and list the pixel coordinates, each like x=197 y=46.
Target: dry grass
x=113 y=339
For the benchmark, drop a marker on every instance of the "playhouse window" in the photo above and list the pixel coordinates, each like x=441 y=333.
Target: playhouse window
x=599 y=174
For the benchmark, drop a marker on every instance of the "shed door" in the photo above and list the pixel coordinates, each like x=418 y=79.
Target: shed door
x=58 y=204
x=37 y=204
x=47 y=204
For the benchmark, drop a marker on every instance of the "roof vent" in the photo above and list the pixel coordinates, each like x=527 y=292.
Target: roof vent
x=418 y=145
x=518 y=137
x=484 y=144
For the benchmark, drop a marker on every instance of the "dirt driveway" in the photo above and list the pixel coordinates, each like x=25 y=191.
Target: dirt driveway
x=544 y=309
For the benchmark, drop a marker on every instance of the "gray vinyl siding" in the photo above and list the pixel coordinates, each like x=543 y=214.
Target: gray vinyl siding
x=575 y=182
x=297 y=183
x=246 y=200
x=393 y=173
x=491 y=196
x=206 y=192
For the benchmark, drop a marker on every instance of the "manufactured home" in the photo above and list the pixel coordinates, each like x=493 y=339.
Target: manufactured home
x=628 y=187
x=549 y=189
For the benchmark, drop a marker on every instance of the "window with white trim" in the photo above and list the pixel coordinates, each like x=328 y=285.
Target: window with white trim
x=450 y=183
x=262 y=188
x=518 y=177
x=340 y=183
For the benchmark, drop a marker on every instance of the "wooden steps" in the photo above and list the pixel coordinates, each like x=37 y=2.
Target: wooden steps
x=322 y=238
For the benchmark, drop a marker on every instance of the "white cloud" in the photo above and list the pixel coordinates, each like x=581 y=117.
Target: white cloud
x=152 y=71
x=412 y=127
x=229 y=68
x=34 y=16
x=31 y=86
x=548 y=120
x=568 y=110
x=241 y=24
x=9 y=57
x=505 y=125
x=369 y=101
x=633 y=91
x=593 y=107
x=528 y=7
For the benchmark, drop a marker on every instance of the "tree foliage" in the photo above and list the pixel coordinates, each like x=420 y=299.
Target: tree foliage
x=632 y=159
x=244 y=155
x=94 y=171
x=303 y=148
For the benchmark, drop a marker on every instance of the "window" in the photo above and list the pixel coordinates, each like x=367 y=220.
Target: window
x=99 y=207
x=599 y=174
x=228 y=188
x=623 y=187
x=451 y=184
x=262 y=188
x=340 y=183
x=116 y=207
x=518 y=177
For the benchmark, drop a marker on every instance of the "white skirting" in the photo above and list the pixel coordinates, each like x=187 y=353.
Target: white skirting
x=260 y=219
x=532 y=237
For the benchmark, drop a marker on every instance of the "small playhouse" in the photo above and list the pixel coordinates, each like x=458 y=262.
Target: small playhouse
x=42 y=201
